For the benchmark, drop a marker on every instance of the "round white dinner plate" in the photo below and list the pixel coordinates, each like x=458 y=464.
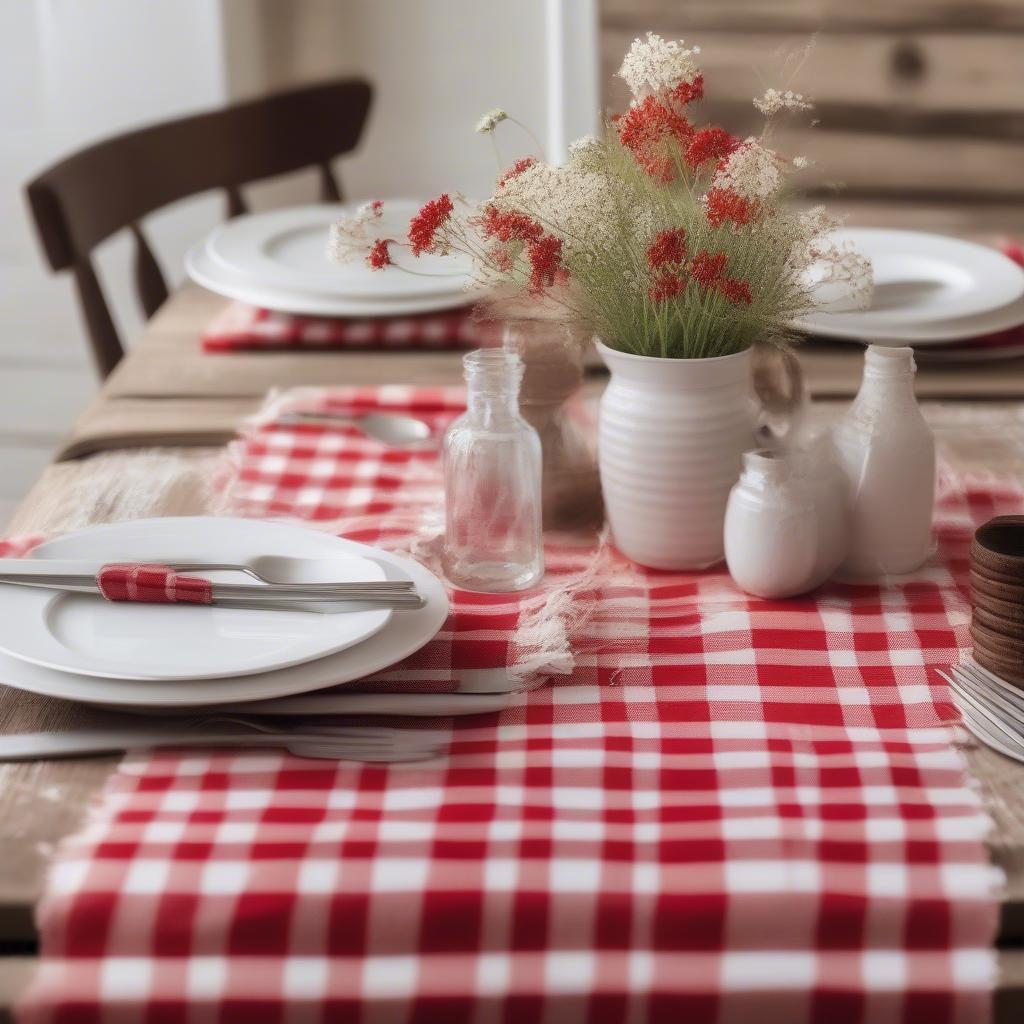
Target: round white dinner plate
x=287 y=248
x=406 y=633
x=920 y=280
x=931 y=334
x=200 y=268
x=87 y=635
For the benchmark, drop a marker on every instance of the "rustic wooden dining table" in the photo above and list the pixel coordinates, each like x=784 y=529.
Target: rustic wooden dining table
x=147 y=446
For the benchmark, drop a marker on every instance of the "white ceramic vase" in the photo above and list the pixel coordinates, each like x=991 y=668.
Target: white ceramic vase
x=671 y=436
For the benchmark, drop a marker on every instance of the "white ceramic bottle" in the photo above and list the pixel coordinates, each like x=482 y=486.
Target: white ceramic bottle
x=887 y=453
x=771 y=526
x=832 y=505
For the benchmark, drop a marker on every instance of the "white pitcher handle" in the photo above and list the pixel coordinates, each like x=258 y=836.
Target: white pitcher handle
x=782 y=398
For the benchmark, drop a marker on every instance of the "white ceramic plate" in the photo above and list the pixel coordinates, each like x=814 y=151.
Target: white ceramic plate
x=407 y=632
x=931 y=334
x=921 y=280
x=84 y=634
x=201 y=269
x=288 y=249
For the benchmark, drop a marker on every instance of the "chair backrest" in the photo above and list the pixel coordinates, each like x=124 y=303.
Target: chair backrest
x=112 y=185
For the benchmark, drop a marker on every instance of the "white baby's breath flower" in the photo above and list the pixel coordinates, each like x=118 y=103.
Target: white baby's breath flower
x=345 y=243
x=577 y=206
x=840 y=263
x=491 y=120
x=815 y=222
x=656 y=66
x=587 y=154
x=752 y=171
x=773 y=101
x=800 y=162
x=633 y=281
x=373 y=210
x=348 y=238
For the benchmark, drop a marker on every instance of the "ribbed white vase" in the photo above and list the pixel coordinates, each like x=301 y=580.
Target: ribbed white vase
x=671 y=436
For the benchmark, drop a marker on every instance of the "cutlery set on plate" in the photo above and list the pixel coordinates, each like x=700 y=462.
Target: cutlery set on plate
x=267 y=640
x=166 y=583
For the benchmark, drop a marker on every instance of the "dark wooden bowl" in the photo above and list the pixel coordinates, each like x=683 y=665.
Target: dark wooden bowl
x=997 y=550
x=1005 y=648
x=1012 y=629
x=1009 y=611
x=984 y=587
x=1009 y=671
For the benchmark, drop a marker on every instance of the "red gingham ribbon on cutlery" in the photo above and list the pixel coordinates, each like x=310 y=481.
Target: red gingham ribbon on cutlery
x=152 y=584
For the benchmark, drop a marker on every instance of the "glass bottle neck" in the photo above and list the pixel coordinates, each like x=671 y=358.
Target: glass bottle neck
x=493 y=377
x=492 y=407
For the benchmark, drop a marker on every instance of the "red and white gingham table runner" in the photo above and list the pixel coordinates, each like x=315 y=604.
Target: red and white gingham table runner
x=725 y=809
x=242 y=328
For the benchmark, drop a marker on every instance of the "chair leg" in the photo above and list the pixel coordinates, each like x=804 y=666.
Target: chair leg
x=330 y=192
x=149 y=281
x=236 y=201
x=106 y=345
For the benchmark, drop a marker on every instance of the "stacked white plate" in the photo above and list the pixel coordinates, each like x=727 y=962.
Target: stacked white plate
x=933 y=293
x=278 y=260
x=83 y=648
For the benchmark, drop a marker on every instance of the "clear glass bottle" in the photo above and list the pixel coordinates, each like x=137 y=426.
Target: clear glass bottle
x=492 y=478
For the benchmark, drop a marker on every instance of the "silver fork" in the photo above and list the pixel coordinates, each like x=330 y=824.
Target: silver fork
x=348 y=743
x=995 y=716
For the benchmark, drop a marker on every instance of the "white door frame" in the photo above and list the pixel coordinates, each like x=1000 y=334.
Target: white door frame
x=573 y=60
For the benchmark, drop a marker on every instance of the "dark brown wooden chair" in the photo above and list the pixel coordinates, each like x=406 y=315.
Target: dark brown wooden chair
x=112 y=185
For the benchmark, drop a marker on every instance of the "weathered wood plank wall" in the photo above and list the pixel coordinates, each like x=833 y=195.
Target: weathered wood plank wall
x=918 y=101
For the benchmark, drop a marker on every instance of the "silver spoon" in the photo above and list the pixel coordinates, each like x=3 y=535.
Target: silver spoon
x=391 y=429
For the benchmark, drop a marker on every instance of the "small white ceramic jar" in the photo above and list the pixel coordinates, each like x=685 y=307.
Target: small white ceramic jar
x=771 y=526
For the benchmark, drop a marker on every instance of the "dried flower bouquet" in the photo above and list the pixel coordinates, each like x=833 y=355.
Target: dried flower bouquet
x=665 y=237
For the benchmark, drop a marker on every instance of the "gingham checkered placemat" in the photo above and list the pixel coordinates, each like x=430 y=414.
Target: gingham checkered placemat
x=723 y=809
x=242 y=328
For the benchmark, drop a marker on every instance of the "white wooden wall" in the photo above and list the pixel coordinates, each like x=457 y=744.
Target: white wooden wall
x=71 y=73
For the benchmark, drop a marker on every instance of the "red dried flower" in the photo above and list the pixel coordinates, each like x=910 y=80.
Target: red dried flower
x=707 y=269
x=509 y=225
x=648 y=130
x=669 y=246
x=723 y=204
x=377 y=207
x=735 y=290
x=424 y=226
x=379 y=257
x=710 y=144
x=688 y=92
x=665 y=286
x=501 y=257
x=516 y=169
x=545 y=256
